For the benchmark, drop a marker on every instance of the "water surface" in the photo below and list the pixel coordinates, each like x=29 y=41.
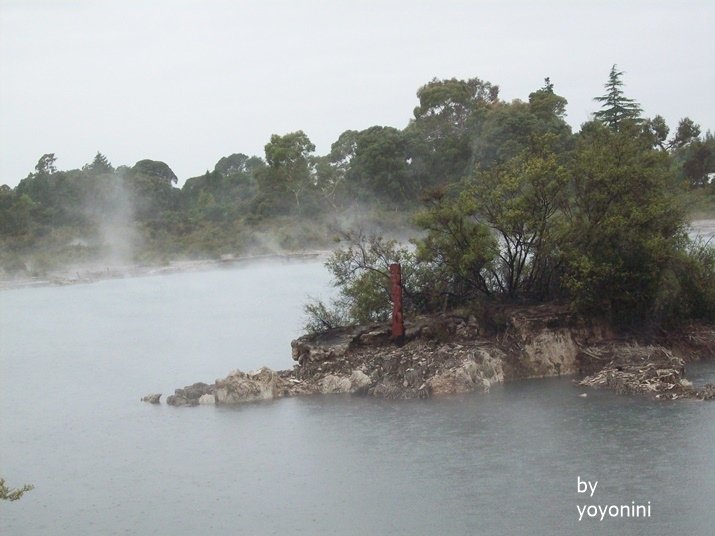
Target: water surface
x=75 y=360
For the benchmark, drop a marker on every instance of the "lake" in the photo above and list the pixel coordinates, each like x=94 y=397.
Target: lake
x=75 y=360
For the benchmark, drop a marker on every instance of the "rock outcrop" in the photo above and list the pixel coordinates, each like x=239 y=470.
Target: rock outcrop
x=240 y=387
x=447 y=354
x=706 y=392
x=190 y=395
x=649 y=370
x=450 y=354
x=207 y=399
x=152 y=399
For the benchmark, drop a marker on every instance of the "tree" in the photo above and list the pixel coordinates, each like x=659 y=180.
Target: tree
x=443 y=127
x=146 y=190
x=46 y=164
x=546 y=104
x=332 y=169
x=626 y=225
x=238 y=164
x=58 y=196
x=232 y=184
x=687 y=132
x=660 y=130
x=157 y=169
x=379 y=166
x=100 y=165
x=452 y=102
x=616 y=108
x=457 y=252
x=15 y=212
x=361 y=270
x=499 y=237
x=521 y=201
x=289 y=169
x=505 y=130
x=697 y=160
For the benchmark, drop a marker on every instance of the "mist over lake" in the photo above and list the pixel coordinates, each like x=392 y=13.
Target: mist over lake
x=332 y=269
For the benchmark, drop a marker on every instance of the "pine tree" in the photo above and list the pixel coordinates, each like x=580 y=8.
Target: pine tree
x=99 y=165
x=616 y=107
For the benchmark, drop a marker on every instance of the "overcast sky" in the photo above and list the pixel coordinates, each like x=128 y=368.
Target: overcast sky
x=190 y=81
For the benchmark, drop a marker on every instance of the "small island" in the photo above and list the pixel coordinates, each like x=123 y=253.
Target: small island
x=569 y=255
x=527 y=249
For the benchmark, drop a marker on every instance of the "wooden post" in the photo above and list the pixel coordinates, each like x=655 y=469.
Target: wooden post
x=398 y=321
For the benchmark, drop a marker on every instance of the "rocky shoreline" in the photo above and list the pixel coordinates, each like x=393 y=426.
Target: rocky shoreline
x=451 y=354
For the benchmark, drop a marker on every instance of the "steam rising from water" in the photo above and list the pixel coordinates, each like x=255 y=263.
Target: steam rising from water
x=117 y=229
x=113 y=213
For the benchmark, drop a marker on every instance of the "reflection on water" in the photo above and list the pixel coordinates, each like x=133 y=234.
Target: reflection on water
x=75 y=361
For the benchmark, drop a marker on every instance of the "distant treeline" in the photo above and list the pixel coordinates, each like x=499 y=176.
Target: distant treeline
x=462 y=136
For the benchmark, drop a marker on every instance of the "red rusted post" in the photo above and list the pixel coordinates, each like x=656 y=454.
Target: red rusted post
x=398 y=321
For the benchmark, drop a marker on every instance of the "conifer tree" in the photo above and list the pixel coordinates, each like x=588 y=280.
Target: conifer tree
x=615 y=106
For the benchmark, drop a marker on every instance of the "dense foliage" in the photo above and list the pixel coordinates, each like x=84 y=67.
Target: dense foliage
x=507 y=202
x=596 y=218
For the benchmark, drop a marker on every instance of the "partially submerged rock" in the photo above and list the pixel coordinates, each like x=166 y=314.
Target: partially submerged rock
x=240 y=387
x=706 y=392
x=190 y=395
x=152 y=399
x=644 y=370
